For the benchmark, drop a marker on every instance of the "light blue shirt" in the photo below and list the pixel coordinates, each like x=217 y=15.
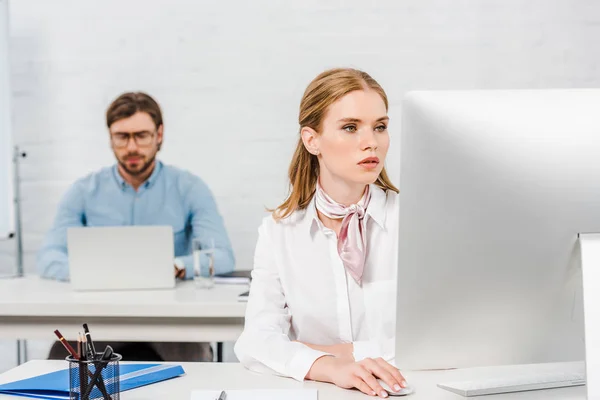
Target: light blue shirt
x=170 y=196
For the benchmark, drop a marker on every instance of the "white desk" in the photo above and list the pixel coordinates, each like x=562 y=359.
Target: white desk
x=234 y=376
x=32 y=308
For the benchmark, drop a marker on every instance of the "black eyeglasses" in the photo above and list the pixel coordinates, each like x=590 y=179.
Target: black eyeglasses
x=142 y=139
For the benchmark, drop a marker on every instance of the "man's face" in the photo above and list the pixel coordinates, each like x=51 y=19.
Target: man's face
x=135 y=141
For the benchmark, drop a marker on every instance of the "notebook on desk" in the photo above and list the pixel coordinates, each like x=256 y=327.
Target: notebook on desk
x=257 y=394
x=55 y=385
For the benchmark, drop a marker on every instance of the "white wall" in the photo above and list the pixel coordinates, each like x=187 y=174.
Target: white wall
x=229 y=75
x=6 y=148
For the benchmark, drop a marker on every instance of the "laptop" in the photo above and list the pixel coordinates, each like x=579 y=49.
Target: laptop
x=121 y=257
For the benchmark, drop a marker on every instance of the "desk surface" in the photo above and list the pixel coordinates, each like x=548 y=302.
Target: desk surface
x=33 y=296
x=32 y=308
x=233 y=376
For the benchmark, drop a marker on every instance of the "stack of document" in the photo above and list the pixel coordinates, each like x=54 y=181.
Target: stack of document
x=55 y=385
x=257 y=394
x=234 y=277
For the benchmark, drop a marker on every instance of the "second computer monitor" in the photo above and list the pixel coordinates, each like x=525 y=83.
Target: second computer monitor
x=494 y=188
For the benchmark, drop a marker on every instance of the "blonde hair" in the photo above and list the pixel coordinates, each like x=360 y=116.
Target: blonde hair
x=324 y=90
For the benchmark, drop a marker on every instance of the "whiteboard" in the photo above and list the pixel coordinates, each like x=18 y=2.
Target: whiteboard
x=6 y=166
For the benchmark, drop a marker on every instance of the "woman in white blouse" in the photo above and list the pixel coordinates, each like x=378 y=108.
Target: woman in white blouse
x=322 y=301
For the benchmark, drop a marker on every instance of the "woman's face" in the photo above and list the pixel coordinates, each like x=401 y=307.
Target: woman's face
x=353 y=141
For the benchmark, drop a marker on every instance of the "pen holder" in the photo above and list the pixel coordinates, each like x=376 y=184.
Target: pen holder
x=94 y=379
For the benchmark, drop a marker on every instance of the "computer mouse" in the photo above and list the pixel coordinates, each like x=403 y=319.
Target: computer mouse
x=401 y=392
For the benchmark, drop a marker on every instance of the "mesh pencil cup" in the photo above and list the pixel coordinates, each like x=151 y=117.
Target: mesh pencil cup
x=94 y=379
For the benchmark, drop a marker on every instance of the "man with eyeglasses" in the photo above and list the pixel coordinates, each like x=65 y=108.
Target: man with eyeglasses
x=140 y=190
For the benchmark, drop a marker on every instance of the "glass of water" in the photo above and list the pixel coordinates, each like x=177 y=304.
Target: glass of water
x=204 y=275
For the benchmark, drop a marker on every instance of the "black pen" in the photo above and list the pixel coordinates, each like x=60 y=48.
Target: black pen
x=222 y=396
x=91 y=348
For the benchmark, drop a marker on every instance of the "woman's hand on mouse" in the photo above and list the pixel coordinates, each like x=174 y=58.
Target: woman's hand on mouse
x=361 y=375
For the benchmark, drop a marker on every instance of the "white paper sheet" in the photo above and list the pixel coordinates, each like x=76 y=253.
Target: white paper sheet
x=257 y=394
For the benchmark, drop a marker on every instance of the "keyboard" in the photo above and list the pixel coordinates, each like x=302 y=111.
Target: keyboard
x=521 y=383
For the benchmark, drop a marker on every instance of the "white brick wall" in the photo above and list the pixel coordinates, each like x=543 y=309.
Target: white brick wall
x=229 y=75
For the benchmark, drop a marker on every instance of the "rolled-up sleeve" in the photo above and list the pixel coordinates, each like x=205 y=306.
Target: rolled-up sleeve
x=265 y=346
x=53 y=259
x=209 y=228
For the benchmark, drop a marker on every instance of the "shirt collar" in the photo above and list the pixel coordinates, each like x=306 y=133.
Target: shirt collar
x=376 y=210
x=149 y=182
x=311 y=218
x=154 y=176
x=377 y=206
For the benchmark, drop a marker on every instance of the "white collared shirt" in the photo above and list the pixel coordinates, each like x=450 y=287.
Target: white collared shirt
x=301 y=292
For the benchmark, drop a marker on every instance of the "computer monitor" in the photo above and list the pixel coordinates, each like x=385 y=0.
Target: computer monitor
x=590 y=265
x=494 y=188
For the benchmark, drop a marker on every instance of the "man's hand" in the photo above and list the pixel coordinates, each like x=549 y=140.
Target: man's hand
x=179 y=272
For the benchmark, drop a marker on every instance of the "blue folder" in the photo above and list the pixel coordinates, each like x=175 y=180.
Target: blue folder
x=55 y=385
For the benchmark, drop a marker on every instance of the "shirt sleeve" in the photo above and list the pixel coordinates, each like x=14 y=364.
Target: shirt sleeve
x=53 y=260
x=207 y=227
x=264 y=345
